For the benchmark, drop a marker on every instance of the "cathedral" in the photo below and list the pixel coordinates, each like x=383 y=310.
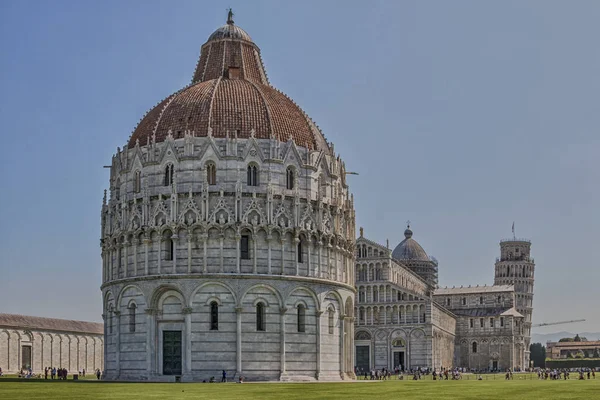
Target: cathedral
x=228 y=243
x=404 y=320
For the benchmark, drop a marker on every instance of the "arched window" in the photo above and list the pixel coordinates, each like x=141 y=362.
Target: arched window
x=252 y=175
x=474 y=347
x=169 y=175
x=169 y=247
x=214 y=316
x=299 y=251
x=301 y=318
x=211 y=173
x=331 y=320
x=137 y=181
x=132 y=309
x=260 y=317
x=289 y=178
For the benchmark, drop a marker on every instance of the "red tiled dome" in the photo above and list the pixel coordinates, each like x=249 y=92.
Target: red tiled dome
x=229 y=93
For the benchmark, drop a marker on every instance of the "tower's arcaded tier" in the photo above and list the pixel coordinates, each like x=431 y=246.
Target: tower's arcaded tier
x=228 y=236
x=516 y=267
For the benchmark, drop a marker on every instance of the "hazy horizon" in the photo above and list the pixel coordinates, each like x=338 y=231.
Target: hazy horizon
x=460 y=116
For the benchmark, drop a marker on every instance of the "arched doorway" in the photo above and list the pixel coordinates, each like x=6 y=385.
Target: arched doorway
x=362 y=343
x=398 y=354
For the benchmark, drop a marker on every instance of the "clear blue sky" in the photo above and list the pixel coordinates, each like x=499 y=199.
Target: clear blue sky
x=461 y=116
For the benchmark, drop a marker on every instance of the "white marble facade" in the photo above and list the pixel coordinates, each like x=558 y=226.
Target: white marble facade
x=170 y=251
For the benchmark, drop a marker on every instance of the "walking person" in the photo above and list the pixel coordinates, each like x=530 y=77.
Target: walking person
x=224 y=378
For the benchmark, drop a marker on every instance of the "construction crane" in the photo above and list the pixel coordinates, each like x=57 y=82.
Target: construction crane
x=557 y=323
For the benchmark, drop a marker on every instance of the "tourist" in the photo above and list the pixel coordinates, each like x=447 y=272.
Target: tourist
x=46 y=373
x=224 y=378
x=83 y=373
x=53 y=373
x=98 y=373
x=1 y=372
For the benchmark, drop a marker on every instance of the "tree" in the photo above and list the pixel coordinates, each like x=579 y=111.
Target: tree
x=596 y=353
x=538 y=354
x=577 y=338
x=566 y=339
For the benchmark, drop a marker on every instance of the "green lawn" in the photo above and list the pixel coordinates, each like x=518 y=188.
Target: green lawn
x=425 y=390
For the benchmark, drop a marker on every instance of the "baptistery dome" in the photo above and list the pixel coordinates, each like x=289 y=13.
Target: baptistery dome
x=228 y=234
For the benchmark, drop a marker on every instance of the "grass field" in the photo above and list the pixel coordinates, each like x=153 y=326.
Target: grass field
x=418 y=390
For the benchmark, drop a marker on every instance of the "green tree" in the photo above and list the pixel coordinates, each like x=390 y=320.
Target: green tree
x=577 y=338
x=597 y=353
x=538 y=354
x=566 y=339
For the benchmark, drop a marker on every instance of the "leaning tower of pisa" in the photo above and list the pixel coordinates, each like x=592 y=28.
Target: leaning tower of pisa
x=515 y=266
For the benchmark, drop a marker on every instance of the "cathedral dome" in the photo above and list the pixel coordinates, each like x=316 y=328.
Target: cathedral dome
x=409 y=249
x=230 y=31
x=229 y=96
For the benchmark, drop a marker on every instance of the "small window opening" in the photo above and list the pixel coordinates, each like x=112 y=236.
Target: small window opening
x=260 y=317
x=301 y=318
x=245 y=247
x=214 y=316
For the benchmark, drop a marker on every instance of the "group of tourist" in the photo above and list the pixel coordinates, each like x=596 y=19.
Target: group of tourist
x=557 y=374
x=60 y=373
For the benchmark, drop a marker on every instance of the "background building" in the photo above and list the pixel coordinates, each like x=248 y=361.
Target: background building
x=37 y=343
x=228 y=237
x=404 y=320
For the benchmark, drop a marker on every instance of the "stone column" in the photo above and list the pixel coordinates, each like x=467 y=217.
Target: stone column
x=269 y=238
x=112 y=264
x=146 y=245
x=135 y=260
x=282 y=254
x=342 y=341
x=254 y=254
x=175 y=240
x=150 y=345
x=238 y=254
x=187 y=313
x=221 y=238
x=126 y=263
x=204 y=238
x=319 y=272
x=189 y=243
x=309 y=271
x=318 y=344
x=238 y=315
x=295 y=252
x=160 y=245
x=282 y=312
x=117 y=344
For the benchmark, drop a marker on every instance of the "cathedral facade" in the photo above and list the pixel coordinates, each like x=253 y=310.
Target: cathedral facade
x=404 y=320
x=228 y=235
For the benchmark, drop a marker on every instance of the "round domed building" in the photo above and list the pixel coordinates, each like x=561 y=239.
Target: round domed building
x=228 y=236
x=414 y=257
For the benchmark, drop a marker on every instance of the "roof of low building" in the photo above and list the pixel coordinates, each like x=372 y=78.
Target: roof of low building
x=487 y=312
x=50 y=324
x=474 y=289
x=594 y=343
